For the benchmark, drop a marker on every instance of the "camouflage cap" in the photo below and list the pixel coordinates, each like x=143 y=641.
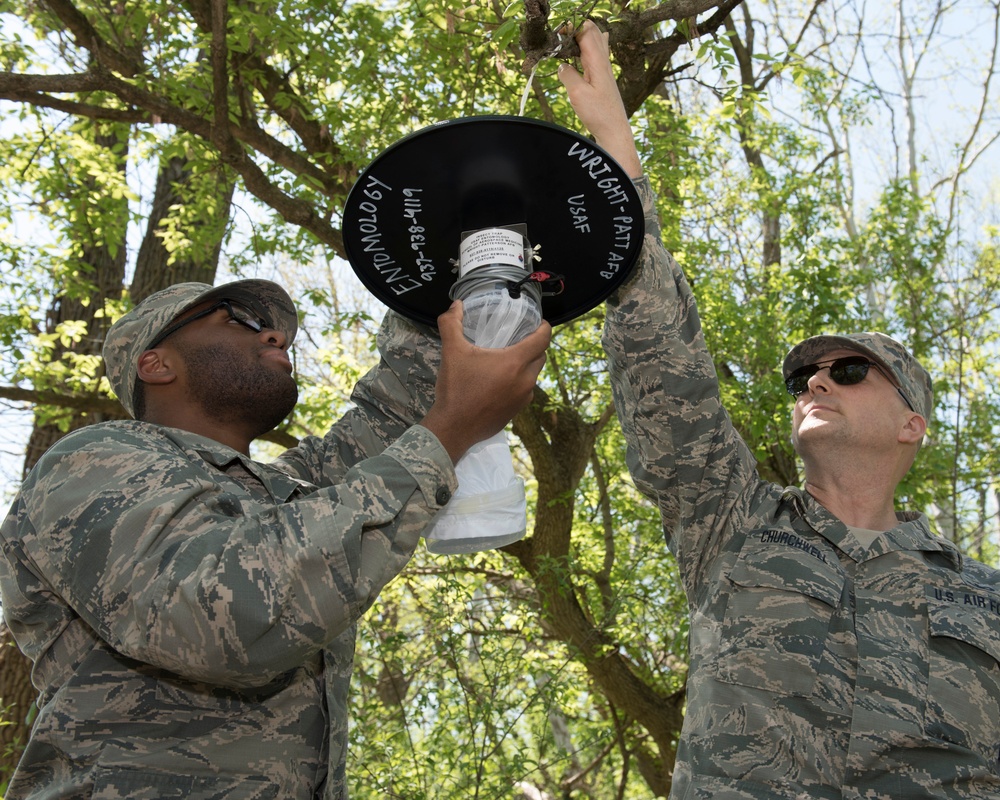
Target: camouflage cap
x=897 y=362
x=131 y=335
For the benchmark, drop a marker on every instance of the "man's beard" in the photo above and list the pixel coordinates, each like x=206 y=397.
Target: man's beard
x=231 y=384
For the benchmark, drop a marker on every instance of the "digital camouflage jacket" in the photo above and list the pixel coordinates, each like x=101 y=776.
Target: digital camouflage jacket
x=819 y=668
x=191 y=613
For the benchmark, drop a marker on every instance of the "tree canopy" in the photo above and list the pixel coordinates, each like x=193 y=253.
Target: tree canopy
x=820 y=169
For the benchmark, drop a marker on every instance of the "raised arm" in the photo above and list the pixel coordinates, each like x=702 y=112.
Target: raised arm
x=682 y=449
x=596 y=100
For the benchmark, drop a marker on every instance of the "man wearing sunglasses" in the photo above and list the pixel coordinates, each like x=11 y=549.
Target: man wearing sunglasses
x=838 y=649
x=190 y=611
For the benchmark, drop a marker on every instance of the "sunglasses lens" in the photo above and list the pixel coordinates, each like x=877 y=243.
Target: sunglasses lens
x=245 y=316
x=844 y=371
x=849 y=371
x=798 y=381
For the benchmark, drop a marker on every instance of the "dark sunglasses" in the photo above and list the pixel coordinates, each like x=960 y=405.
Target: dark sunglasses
x=843 y=371
x=237 y=313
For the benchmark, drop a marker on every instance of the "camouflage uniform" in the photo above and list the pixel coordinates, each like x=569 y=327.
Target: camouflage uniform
x=191 y=613
x=819 y=668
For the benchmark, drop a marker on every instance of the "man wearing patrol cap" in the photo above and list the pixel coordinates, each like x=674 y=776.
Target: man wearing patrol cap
x=191 y=612
x=252 y=303
x=838 y=649
x=815 y=369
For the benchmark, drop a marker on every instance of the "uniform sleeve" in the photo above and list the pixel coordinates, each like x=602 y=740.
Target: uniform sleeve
x=173 y=568
x=389 y=398
x=682 y=449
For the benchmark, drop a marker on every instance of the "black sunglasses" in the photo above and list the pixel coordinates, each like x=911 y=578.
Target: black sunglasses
x=237 y=313
x=845 y=371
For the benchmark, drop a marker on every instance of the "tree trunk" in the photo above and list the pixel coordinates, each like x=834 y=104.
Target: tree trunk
x=560 y=443
x=106 y=262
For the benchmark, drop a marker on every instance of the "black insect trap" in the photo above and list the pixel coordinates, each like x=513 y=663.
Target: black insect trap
x=521 y=220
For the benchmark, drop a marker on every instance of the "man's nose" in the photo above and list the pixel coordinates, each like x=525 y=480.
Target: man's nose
x=274 y=337
x=820 y=380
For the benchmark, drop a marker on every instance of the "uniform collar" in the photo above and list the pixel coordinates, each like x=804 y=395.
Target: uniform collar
x=912 y=532
x=281 y=486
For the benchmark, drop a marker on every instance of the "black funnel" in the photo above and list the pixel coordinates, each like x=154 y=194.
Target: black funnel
x=404 y=218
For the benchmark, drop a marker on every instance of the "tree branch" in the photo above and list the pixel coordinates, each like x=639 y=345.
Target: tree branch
x=87 y=37
x=293 y=210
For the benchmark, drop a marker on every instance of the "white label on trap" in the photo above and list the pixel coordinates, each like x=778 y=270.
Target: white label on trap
x=491 y=246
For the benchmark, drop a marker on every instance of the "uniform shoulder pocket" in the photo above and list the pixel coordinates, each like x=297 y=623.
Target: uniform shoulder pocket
x=783 y=592
x=781 y=560
x=963 y=669
x=968 y=615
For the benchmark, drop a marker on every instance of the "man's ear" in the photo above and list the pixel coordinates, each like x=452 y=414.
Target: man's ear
x=913 y=430
x=154 y=368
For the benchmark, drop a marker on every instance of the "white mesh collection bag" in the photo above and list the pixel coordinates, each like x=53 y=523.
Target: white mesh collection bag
x=489 y=509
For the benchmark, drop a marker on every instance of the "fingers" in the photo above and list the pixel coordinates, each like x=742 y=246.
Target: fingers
x=454 y=345
x=450 y=321
x=569 y=77
x=593 y=94
x=532 y=350
x=595 y=58
x=478 y=389
x=537 y=341
x=594 y=51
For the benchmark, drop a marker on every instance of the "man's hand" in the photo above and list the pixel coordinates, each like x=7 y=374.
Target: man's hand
x=479 y=390
x=596 y=100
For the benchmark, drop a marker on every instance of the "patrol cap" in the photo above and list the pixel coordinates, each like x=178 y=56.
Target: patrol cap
x=896 y=361
x=131 y=335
